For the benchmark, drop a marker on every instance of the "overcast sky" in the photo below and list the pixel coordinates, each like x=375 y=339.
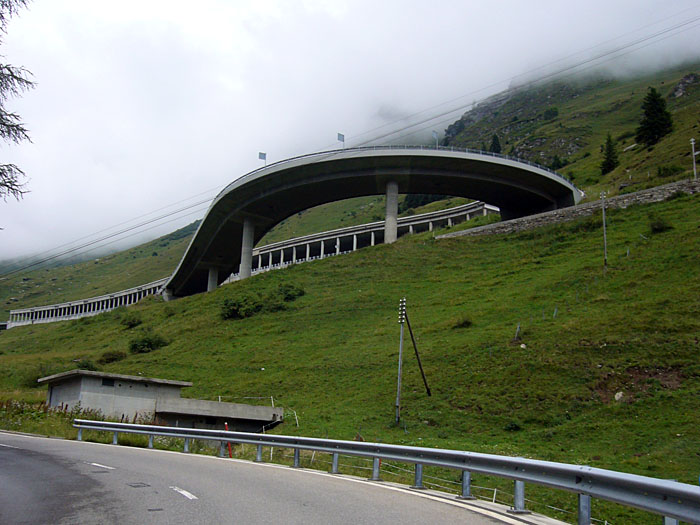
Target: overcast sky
x=143 y=104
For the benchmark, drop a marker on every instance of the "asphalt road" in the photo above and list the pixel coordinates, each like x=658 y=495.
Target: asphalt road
x=57 y=481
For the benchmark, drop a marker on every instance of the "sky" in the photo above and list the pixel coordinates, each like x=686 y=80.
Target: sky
x=144 y=107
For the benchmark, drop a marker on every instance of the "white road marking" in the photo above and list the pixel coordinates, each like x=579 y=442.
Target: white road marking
x=188 y=495
x=8 y=446
x=101 y=466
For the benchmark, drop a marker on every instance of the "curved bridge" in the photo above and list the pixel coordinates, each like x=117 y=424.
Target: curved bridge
x=251 y=205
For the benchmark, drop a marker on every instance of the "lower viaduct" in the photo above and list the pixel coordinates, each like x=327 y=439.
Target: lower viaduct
x=223 y=246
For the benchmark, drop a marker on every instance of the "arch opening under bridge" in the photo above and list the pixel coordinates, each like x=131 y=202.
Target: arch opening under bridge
x=252 y=205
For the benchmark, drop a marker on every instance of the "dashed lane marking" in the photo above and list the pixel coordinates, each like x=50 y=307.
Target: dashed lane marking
x=101 y=466
x=188 y=495
x=8 y=446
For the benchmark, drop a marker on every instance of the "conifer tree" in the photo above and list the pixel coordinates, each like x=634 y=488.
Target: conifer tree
x=656 y=121
x=13 y=80
x=495 y=144
x=610 y=160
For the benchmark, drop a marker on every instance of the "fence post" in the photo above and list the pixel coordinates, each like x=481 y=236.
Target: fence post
x=187 y=445
x=519 y=498
x=114 y=439
x=375 y=470
x=258 y=455
x=418 y=480
x=466 y=485
x=296 y=458
x=150 y=441
x=584 y=509
x=334 y=465
x=80 y=434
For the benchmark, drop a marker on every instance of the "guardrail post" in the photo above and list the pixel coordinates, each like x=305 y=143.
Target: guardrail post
x=114 y=438
x=258 y=454
x=375 y=470
x=584 y=509
x=670 y=521
x=187 y=445
x=222 y=449
x=80 y=434
x=150 y=441
x=418 y=480
x=519 y=498
x=334 y=464
x=296 y=458
x=466 y=486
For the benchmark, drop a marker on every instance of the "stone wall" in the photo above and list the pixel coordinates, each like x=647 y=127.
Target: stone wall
x=657 y=194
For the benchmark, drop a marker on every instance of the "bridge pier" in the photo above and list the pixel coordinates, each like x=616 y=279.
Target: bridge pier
x=213 y=279
x=392 y=212
x=246 y=249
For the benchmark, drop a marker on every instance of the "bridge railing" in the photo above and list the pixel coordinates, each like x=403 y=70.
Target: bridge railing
x=429 y=148
x=676 y=501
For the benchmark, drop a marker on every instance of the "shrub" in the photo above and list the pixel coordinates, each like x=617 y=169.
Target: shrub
x=551 y=113
x=111 y=356
x=668 y=171
x=462 y=322
x=240 y=308
x=130 y=320
x=658 y=224
x=290 y=292
x=512 y=426
x=86 y=364
x=146 y=342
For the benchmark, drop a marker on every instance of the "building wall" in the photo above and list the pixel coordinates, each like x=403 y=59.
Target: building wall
x=115 y=398
x=64 y=393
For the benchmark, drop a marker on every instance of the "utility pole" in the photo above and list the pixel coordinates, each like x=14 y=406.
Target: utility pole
x=605 y=235
x=402 y=320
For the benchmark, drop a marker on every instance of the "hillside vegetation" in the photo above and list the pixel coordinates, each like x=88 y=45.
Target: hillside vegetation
x=604 y=372
x=564 y=125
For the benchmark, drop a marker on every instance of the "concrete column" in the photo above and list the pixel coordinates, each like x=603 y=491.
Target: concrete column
x=449 y=222
x=213 y=280
x=322 y=249
x=430 y=226
x=246 y=249
x=392 y=211
x=281 y=256
x=371 y=238
x=294 y=254
x=308 y=251
x=337 y=245
x=354 y=242
x=410 y=229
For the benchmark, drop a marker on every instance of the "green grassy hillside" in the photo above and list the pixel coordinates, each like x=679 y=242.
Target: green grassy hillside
x=585 y=336
x=118 y=271
x=581 y=114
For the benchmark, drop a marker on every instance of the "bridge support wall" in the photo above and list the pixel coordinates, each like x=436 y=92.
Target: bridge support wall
x=392 y=212
x=247 y=249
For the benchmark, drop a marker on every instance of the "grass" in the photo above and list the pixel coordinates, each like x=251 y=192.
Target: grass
x=331 y=354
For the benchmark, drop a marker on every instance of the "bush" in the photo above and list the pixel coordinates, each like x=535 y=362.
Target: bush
x=658 y=224
x=290 y=292
x=86 y=364
x=551 y=113
x=668 y=171
x=146 y=342
x=240 y=308
x=512 y=426
x=462 y=322
x=130 y=320
x=111 y=357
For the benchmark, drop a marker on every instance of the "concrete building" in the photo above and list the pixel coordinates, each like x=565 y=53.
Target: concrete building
x=129 y=397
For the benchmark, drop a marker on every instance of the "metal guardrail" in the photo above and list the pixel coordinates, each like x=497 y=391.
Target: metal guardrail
x=668 y=498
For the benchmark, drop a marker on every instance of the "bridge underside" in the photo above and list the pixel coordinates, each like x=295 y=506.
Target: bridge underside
x=268 y=196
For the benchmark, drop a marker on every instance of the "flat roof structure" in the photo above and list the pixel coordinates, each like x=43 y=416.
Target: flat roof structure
x=91 y=373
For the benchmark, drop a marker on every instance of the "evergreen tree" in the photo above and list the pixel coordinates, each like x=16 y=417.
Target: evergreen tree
x=495 y=144
x=13 y=80
x=610 y=160
x=656 y=121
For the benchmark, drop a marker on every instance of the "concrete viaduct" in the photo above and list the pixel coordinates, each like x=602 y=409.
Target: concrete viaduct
x=251 y=205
